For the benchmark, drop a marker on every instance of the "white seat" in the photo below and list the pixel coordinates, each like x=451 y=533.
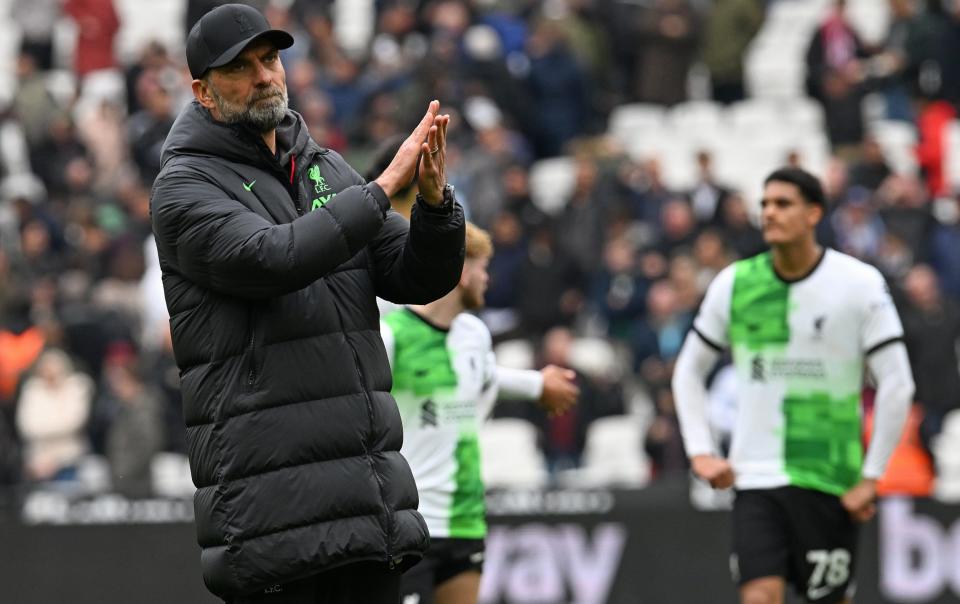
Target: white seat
x=696 y=117
x=755 y=115
x=142 y=22
x=613 y=455
x=170 y=475
x=898 y=141
x=633 y=120
x=952 y=160
x=597 y=358
x=870 y=18
x=951 y=424
x=515 y=354
x=93 y=474
x=551 y=183
x=805 y=115
x=509 y=453
x=946 y=456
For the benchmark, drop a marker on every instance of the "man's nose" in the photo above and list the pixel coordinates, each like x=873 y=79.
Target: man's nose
x=261 y=75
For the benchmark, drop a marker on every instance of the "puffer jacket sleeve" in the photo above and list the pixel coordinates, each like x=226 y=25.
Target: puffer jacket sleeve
x=220 y=244
x=420 y=261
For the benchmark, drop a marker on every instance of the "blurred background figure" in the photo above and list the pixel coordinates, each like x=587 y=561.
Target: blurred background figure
x=52 y=414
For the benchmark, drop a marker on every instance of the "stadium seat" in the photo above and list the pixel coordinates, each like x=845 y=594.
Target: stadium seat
x=163 y=22
x=634 y=120
x=898 y=140
x=515 y=354
x=14 y=154
x=613 y=456
x=551 y=183
x=952 y=160
x=170 y=475
x=510 y=457
x=598 y=358
x=698 y=118
x=946 y=456
x=93 y=474
x=9 y=46
x=353 y=25
x=756 y=116
x=870 y=18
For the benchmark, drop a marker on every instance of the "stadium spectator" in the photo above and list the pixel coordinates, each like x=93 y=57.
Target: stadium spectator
x=148 y=128
x=97 y=24
x=558 y=90
x=135 y=433
x=563 y=436
x=508 y=255
x=36 y=20
x=619 y=289
x=729 y=29
x=550 y=285
x=871 y=169
x=931 y=326
x=836 y=77
x=32 y=105
x=669 y=33
x=859 y=229
x=52 y=414
x=742 y=236
x=581 y=227
x=256 y=281
x=707 y=195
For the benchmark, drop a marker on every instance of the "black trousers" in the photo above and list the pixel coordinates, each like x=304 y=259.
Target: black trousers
x=366 y=582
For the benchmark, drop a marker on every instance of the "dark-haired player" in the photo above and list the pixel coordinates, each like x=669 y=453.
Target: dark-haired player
x=803 y=324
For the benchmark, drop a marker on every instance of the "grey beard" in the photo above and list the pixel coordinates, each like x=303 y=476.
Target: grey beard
x=261 y=117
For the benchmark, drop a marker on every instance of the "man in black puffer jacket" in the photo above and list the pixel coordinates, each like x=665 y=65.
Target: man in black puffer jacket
x=273 y=250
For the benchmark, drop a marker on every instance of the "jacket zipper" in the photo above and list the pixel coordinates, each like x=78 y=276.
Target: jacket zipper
x=295 y=186
x=252 y=348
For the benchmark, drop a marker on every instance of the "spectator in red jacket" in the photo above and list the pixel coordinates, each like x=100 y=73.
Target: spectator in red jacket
x=97 y=25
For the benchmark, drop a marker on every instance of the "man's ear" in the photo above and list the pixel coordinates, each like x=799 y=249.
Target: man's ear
x=203 y=94
x=818 y=213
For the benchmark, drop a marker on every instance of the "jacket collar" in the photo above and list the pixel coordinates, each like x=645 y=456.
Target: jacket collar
x=195 y=132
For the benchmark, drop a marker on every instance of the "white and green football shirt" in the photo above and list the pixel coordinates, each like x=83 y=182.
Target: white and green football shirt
x=445 y=384
x=799 y=352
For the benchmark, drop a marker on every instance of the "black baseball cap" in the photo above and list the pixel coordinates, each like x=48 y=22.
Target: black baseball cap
x=222 y=34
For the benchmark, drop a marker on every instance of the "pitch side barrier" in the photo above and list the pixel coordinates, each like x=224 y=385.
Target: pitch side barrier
x=591 y=547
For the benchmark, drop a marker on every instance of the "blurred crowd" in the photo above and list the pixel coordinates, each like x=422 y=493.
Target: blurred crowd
x=86 y=365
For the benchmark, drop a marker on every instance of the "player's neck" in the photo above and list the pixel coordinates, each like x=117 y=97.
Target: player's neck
x=442 y=312
x=796 y=260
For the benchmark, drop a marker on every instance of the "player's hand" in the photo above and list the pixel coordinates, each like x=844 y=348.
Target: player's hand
x=715 y=470
x=399 y=173
x=860 y=501
x=432 y=176
x=560 y=391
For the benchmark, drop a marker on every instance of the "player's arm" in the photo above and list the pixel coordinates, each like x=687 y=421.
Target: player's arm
x=699 y=354
x=690 y=373
x=553 y=387
x=891 y=368
x=887 y=361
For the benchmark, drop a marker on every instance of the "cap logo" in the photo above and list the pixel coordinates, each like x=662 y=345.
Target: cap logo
x=244 y=23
